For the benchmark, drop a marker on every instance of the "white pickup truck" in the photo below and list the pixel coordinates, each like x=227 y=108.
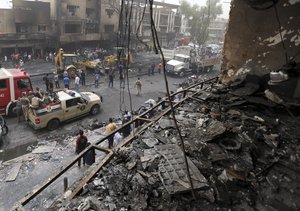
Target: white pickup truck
x=71 y=105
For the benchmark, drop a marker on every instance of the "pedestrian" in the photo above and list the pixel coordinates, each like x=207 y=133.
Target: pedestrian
x=152 y=68
x=159 y=66
x=179 y=96
x=46 y=80
x=81 y=144
x=67 y=82
x=51 y=86
x=126 y=129
x=77 y=83
x=149 y=70
x=97 y=76
x=109 y=129
x=122 y=77
x=89 y=156
x=138 y=85
x=111 y=75
x=19 y=109
x=56 y=80
x=25 y=105
x=66 y=73
x=82 y=78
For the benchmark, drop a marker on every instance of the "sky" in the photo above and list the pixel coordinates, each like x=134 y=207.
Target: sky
x=225 y=5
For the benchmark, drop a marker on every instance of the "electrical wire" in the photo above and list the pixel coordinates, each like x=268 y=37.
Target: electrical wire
x=128 y=56
x=156 y=43
x=139 y=26
x=280 y=32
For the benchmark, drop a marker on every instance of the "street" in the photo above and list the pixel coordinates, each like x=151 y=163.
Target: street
x=21 y=135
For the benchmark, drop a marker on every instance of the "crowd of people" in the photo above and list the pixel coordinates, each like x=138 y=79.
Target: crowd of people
x=37 y=99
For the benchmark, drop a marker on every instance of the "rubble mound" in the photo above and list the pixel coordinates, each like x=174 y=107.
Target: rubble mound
x=242 y=155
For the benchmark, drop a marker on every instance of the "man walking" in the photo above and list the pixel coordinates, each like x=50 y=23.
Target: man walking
x=138 y=85
x=81 y=144
x=82 y=78
x=67 y=82
x=56 y=80
x=108 y=129
x=97 y=76
x=77 y=83
x=152 y=68
x=111 y=75
x=46 y=80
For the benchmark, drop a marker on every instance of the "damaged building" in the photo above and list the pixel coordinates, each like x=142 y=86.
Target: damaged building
x=237 y=147
x=38 y=27
x=26 y=28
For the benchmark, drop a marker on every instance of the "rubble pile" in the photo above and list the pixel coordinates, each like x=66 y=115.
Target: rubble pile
x=243 y=153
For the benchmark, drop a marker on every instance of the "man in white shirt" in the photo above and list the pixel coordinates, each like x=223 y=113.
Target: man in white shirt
x=77 y=81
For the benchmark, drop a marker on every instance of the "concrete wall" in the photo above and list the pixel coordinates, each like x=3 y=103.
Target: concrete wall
x=105 y=19
x=252 y=42
x=7 y=22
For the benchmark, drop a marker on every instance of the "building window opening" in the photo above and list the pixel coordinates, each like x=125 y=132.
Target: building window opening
x=72 y=28
x=109 y=28
x=72 y=9
x=41 y=28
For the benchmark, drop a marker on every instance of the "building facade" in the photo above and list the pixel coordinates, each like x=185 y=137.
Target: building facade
x=167 y=20
x=216 y=30
x=36 y=27
x=26 y=28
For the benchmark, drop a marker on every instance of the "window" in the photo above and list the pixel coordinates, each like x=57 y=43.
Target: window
x=20 y=28
x=41 y=28
x=109 y=28
x=23 y=84
x=72 y=102
x=72 y=9
x=71 y=28
x=3 y=84
x=90 y=13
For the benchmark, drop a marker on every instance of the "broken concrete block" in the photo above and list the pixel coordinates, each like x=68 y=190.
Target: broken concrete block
x=166 y=123
x=45 y=148
x=13 y=173
x=215 y=129
x=150 y=142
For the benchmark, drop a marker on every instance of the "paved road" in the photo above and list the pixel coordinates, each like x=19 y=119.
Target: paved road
x=21 y=135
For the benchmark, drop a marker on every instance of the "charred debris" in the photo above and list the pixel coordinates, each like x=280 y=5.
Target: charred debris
x=242 y=143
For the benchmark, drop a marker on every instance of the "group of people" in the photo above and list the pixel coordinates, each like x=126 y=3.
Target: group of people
x=34 y=100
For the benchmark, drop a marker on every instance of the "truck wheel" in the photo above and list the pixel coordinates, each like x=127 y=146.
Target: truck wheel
x=4 y=130
x=53 y=124
x=95 y=109
x=12 y=112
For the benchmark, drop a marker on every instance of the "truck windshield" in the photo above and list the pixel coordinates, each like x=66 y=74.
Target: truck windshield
x=179 y=58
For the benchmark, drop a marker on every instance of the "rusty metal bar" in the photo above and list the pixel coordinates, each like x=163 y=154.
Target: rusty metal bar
x=144 y=119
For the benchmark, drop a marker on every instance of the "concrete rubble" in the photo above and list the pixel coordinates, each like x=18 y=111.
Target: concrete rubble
x=241 y=156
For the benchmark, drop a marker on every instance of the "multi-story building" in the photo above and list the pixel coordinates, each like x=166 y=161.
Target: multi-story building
x=216 y=30
x=166 y=17
x=83 y=22
x=37 y=27
x=26 y=28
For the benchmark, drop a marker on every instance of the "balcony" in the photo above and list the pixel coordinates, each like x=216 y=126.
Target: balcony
x=26 y=36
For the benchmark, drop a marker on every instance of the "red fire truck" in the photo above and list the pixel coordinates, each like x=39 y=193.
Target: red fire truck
x=13 y=82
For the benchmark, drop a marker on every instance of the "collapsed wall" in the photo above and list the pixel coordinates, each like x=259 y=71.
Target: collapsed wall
x=253 y=42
